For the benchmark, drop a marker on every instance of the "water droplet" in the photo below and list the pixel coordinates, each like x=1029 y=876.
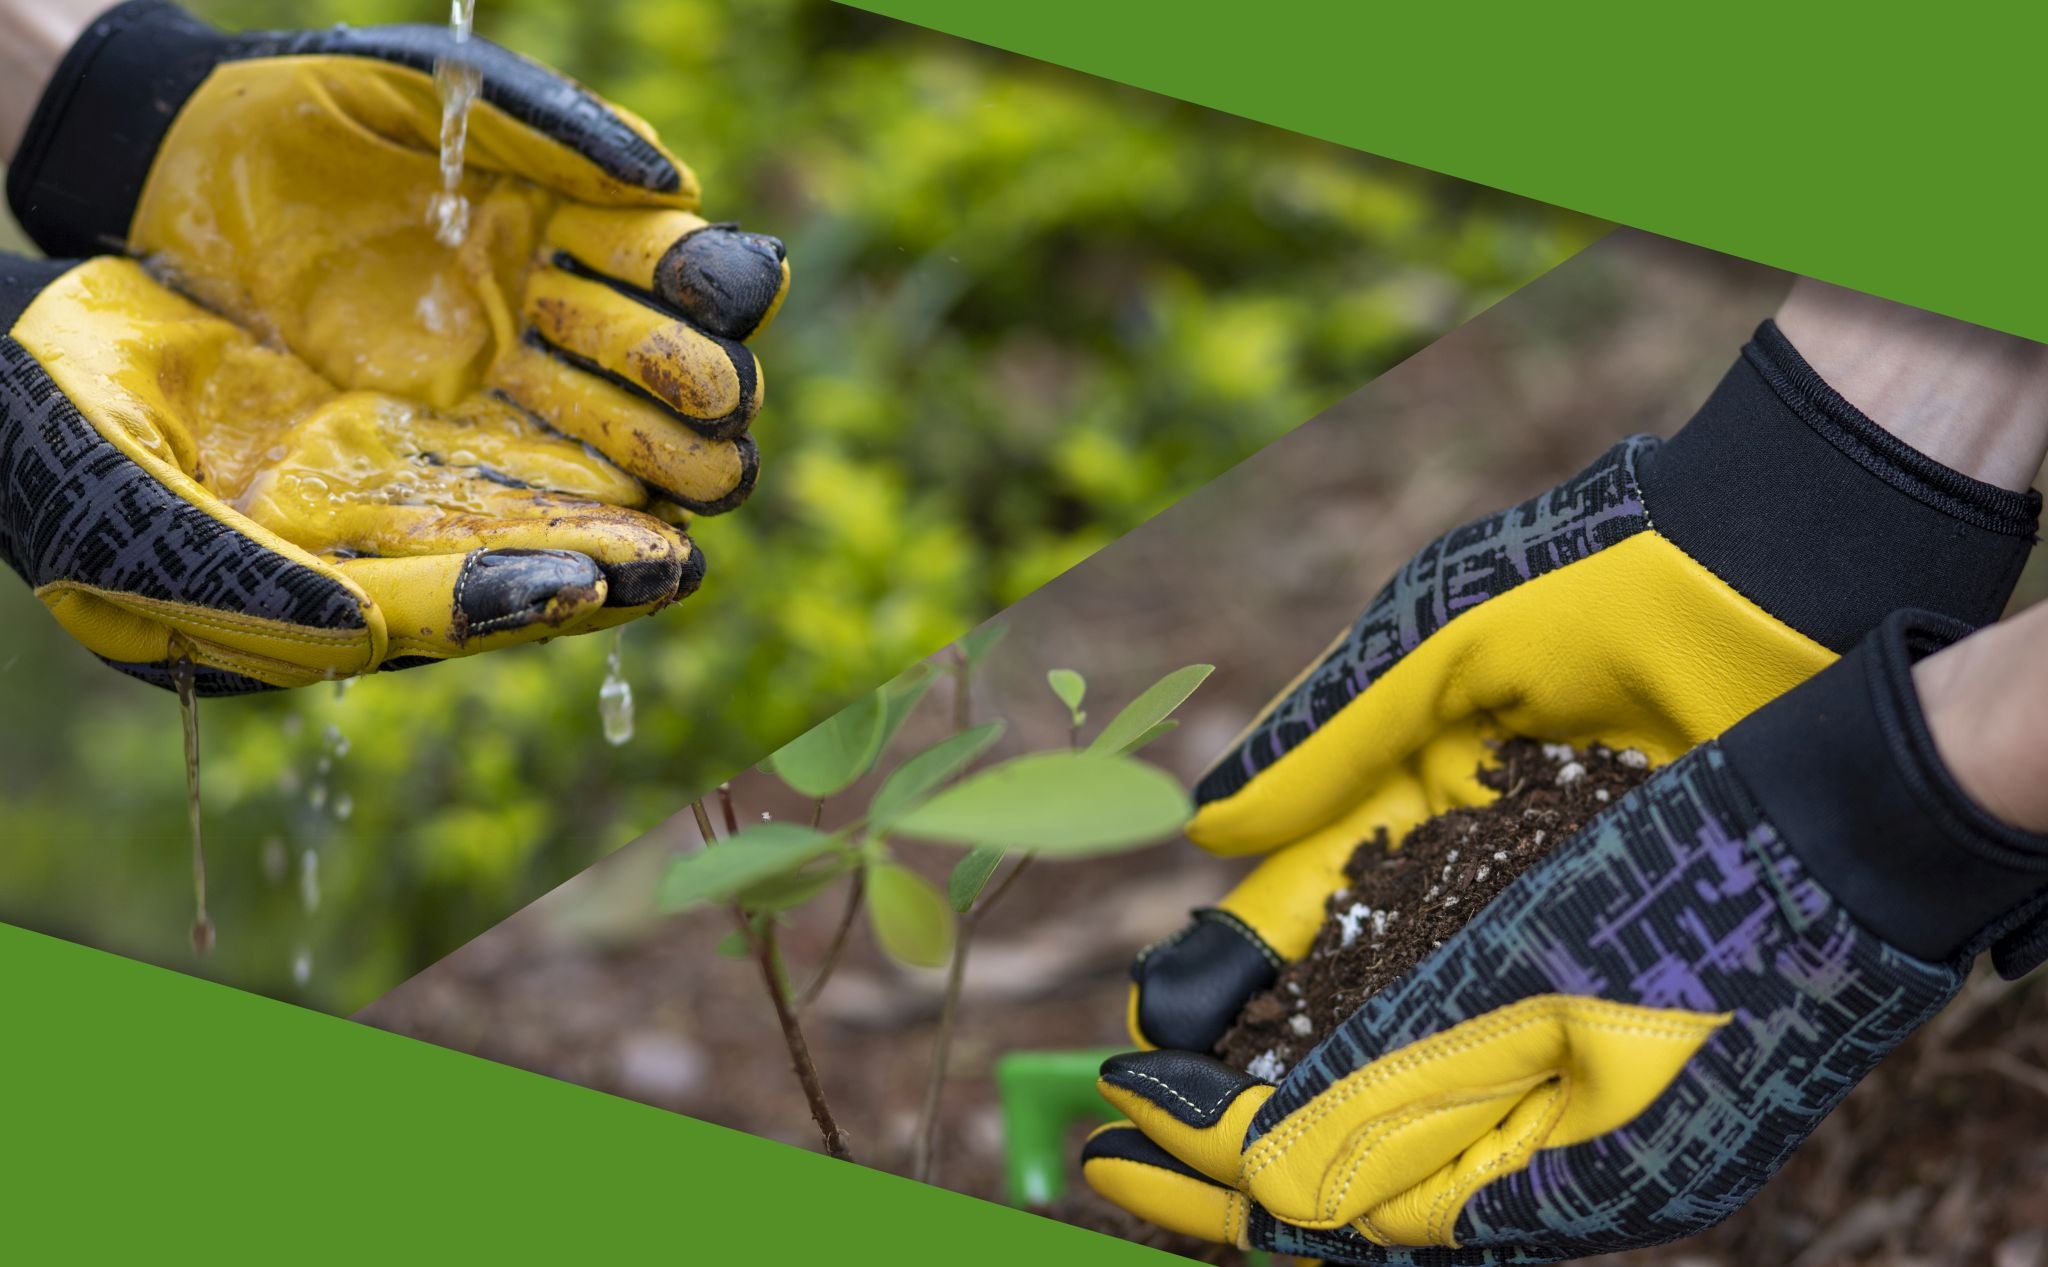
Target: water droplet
x=615 y=705
x=302 y=967
x=615 y=696
x=344 y=805
x=316 y=796
x=341 y=685
x=309 y=881
x=275 y=860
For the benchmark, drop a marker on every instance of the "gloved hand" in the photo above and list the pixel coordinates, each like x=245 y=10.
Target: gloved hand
x=1626 y=1043
x=320 y=469
x=1647 y=603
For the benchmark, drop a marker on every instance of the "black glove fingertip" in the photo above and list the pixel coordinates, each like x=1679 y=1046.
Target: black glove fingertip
x=1192 y=986
x=724 y=280
x=503 y=589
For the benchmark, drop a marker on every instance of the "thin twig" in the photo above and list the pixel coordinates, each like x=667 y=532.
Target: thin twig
x=927 y=1151
x=2004 y=1062
x=703 y=823
x=732 y=814
x=856 y=889
x=762 y=942
x=817 y=813
x=963 y=693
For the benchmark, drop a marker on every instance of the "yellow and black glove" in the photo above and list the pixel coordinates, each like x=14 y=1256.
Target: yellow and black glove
x=1622 y=1047
x=303 y=437
x=1647 y=603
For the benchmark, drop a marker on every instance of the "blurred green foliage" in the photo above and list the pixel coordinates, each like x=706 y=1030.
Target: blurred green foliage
x=1030 y=309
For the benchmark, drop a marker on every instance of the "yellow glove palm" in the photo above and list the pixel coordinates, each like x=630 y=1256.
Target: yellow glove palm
x=335 y=384
x=1649 y=602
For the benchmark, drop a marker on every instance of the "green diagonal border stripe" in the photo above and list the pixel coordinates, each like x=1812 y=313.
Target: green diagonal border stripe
x=1892 y=149
x=151 y=1116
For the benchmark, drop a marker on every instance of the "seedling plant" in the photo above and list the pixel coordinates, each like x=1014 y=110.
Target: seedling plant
x=1085 y=799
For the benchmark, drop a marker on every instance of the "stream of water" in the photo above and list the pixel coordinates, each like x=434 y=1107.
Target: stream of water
x=183 y=673
x=457 y=82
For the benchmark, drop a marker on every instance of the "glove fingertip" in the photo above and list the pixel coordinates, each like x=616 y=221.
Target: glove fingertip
x=1190 y=988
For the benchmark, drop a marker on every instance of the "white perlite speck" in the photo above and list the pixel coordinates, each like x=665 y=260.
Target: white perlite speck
x=1558 y=752
x=1351 y=920
x=1300 y=1024
x=1569 y=773
x=1601 y=795
x=1267 y=1066
x=1633 y=759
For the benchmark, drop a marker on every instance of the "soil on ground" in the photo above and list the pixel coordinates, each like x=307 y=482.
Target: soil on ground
x=1402 y=903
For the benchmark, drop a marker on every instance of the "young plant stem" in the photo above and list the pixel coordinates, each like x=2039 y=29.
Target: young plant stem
x=703 y=822
x=856 y=889
x=925 y=1156
x=762 y=941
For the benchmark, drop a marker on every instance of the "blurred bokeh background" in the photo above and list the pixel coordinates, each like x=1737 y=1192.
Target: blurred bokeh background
x=1940 y=1158
x=1030 y=309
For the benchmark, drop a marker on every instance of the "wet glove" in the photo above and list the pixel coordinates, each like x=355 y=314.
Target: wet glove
x=1646 y=603
x=312 y=440
x=1625 y=1044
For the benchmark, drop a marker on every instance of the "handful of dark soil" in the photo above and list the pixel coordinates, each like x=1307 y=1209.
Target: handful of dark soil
x=1402 y=903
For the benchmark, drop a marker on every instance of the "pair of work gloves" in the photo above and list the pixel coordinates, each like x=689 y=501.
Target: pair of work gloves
x=261 y=424
x=1622 y=1047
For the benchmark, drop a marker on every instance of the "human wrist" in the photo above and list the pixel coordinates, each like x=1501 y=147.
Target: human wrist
x=1986 y=704
x=1809 y=508
x=1972 y=398
x=1848 y=772
x=33 y=37
x=94 y=134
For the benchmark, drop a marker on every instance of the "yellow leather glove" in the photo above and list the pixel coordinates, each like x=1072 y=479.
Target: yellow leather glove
x=307 y=371
x=1620 y=1048
x=1647 y=603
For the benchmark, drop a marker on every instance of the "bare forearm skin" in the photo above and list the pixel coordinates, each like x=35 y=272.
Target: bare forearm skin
x=1986 y=704
x=33 y=37
x=1970 y=398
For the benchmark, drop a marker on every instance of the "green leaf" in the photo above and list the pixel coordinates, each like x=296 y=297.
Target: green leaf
x=1158 y=729
x=970 y=876
x=1072 y=688
x=910 y=919
x=836 y=751
x=1153 y=705
x=1063 y=803
x=734 y=945
x=724 y=871
x=976 y=646
x=794 y=888
x=919 y=774
x=903 y=696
